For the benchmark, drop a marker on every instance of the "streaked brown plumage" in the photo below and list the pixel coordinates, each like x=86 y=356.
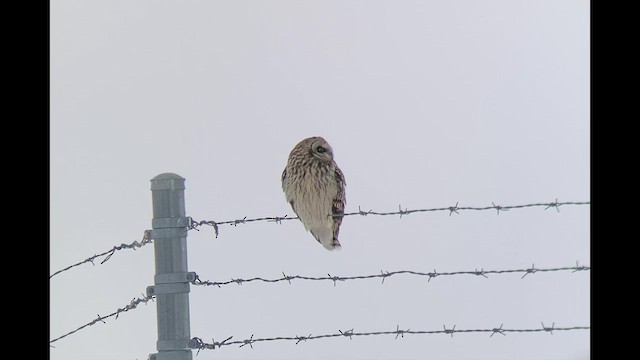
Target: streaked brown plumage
x=314 y=186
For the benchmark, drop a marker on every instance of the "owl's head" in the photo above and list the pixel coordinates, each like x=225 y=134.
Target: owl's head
x=320 y=149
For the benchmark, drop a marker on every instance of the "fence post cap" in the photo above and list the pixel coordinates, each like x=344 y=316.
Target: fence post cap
x=167 y=176
x=167 y=181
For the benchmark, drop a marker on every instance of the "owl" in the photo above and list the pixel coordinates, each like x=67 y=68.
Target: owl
x=314 y=186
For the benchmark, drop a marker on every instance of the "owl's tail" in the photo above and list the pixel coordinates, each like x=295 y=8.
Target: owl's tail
x=333 y=245
x=326 y=238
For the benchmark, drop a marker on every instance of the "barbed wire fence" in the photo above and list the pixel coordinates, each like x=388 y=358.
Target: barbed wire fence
x=383 y=275
x=199 y=344
x=195 y=224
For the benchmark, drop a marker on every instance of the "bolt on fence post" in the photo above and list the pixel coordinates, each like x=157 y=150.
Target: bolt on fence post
x=171 y=281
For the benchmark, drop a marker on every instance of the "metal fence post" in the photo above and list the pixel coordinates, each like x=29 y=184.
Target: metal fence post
x=172 y=278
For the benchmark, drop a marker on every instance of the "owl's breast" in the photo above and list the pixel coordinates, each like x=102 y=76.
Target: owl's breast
x=312 y=196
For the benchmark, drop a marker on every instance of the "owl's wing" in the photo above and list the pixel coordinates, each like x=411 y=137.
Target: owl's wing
x=284 y=176
x=338 y=202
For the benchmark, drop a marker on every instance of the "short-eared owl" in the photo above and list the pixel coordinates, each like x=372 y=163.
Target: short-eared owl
x=314 y=186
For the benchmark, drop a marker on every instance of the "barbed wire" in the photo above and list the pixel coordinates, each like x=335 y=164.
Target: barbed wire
x=132 y=305
x=451 y=209
x=383 y=274
x=198 y=343
x=146 y=239
x=194 y=224
x=386 y=274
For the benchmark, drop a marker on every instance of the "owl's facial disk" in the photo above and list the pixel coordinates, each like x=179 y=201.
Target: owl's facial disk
x=322 y=150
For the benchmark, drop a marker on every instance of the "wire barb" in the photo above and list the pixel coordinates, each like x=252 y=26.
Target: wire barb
x=498 y=208
x=498 y=331
x=302 y=338
x=554 y=205
x=197 y=343
x=193 y=225
x=402 y=212
x=239 y=221
x=400 y=332
x=278 y=219
x=384 y=275
x=288 y=278
x=580 y=268
x=449 y=331
x=248 y=342
x=348 y=333
x=335 y=278
x=432 y=275
x=530 y=271
x=453 y=209
x=549 y=329
x=480 y=273
x=363 y=213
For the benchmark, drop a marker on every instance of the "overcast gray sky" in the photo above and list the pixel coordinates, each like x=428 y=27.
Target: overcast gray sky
x=425 y=103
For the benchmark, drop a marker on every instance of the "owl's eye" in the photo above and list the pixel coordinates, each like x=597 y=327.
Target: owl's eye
x=321 y=149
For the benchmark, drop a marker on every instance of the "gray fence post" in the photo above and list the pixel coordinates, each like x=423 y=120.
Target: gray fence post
x=172 y=278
